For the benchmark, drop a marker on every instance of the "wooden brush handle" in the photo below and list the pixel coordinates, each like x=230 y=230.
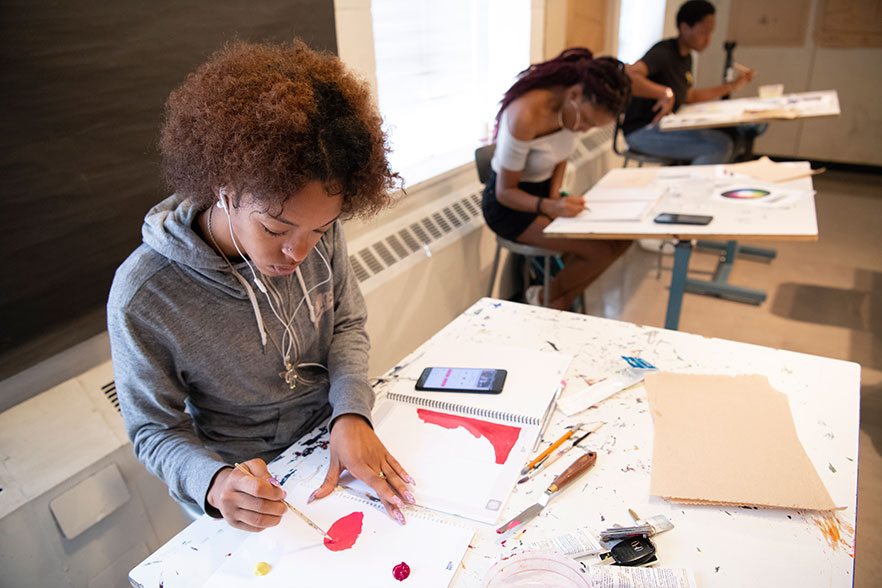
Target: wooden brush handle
x=578 y=467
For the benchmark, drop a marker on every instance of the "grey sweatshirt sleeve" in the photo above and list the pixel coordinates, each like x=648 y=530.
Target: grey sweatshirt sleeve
x=348 y=356
x=152 y=401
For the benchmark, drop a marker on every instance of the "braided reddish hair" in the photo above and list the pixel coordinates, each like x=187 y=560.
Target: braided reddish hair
x=603 y=80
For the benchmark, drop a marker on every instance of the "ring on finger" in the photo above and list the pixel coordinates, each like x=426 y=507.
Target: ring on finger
x=382 y=474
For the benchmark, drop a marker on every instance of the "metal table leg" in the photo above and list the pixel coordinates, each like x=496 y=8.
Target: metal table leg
x=719 y=286
x=682 y=252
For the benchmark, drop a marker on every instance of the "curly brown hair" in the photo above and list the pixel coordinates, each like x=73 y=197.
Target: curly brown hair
x=267 y=119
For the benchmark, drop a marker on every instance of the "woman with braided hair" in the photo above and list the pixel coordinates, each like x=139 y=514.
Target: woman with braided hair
x=539 y=118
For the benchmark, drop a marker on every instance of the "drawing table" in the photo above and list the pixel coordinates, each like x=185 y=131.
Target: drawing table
x=690 y=191
x=740 y=111
x=725 y=546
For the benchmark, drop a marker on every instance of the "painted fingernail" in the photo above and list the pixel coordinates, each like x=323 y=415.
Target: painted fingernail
x=311 y=497
x=284 y=494
x=409 y=497
x=397 y=502
x=274 y=482
x=409 y=480
x=399 y=516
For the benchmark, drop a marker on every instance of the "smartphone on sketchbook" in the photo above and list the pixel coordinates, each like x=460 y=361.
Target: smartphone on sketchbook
x=450 y=379
x=669 y=218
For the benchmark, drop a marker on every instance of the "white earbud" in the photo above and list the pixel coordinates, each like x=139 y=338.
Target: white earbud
x=222 y=203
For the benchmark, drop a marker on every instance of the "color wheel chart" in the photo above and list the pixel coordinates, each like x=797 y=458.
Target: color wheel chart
x=745 y=193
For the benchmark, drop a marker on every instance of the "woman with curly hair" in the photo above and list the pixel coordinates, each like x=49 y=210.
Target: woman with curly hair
x=538 y=120
x=238 y=326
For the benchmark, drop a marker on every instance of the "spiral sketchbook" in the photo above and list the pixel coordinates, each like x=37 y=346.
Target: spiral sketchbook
x=369 y=547
x=466 y=450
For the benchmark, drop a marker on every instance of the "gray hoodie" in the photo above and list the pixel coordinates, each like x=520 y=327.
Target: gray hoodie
x=198 y=390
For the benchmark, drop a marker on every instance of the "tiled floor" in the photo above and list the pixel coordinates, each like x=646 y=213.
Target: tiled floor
x=824 y=298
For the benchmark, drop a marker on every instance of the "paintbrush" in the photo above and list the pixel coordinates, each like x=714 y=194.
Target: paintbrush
x=305 y=518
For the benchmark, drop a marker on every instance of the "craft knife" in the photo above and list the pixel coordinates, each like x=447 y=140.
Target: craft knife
x=577 y=468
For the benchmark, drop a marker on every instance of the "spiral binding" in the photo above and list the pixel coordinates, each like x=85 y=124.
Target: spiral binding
x=445 y=406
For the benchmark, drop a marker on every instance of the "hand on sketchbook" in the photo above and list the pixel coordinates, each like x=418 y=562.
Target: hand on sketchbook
x=566 y=206
x=356 y=448
x=248 y=503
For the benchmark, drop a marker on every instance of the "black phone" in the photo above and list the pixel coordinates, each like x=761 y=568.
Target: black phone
x=448 y=379
x=670 y=218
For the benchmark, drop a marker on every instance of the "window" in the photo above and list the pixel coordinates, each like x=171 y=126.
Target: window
x=442 y=68
x=641 y=23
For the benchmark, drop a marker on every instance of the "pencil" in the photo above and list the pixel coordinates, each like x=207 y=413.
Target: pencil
x=305 y=518
x=740 y=67
x=547 y=452
x=550 y=460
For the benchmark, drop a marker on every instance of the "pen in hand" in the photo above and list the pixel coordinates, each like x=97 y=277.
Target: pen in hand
x=305 y=518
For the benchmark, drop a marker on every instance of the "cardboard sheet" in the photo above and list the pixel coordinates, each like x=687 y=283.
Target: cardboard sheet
x=767 y=170
x=728 y=440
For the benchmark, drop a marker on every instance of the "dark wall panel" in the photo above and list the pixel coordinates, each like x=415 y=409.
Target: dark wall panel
x=83 y=87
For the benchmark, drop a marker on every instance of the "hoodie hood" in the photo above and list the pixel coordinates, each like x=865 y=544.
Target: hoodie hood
x=168 y=230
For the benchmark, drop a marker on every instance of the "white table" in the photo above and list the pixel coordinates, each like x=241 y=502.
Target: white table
x=725 y=546
x=724 y=113
x=690 y=191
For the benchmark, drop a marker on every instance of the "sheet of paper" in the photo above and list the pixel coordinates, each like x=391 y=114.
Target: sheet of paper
x=606 y=194
x=728 y=440
x=766 y=170
x=372 y=545
x=443 y=438
x=581 y=398
x=533 y=377
x=624 y=577
x=630 y=210
x=442 y=450
x=634 y=177
x=754 y=193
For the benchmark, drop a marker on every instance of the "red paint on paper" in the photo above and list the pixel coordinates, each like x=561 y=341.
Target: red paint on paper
x=502 y=437
x=345 y=531
x=401 y=571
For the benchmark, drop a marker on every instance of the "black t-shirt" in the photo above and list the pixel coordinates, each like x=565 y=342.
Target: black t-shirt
x=666 y=67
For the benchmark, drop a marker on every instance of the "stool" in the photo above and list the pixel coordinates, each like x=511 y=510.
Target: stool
x=483 y=155
x=529 y=252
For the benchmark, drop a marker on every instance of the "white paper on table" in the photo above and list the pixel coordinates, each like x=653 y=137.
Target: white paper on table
x=603 y=194
x=298 y=556
x=440 y=458
x=631 y=577
x=576 y=402
x=444 y=438
x=777 y=195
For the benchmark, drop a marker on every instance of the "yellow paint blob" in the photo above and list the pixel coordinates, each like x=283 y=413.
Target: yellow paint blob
x=262 y=569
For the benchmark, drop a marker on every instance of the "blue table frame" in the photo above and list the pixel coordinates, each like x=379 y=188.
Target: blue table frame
x=719 y=286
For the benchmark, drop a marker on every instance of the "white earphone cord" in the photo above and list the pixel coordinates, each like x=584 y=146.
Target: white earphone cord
x=289 y=332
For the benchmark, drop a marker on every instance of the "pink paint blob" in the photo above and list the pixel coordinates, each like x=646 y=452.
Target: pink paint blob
x=401 y=571
x=345 y=531
x=501 y=437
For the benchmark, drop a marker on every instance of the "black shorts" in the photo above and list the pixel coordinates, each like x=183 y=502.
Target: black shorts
x=504 y=221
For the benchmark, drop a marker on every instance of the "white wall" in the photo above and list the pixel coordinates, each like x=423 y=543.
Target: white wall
x=853 y=137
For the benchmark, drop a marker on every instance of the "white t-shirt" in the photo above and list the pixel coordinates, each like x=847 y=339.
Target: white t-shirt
x=535 y=159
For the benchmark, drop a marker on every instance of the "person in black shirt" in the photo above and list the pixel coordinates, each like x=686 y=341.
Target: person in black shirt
x=662 y=81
